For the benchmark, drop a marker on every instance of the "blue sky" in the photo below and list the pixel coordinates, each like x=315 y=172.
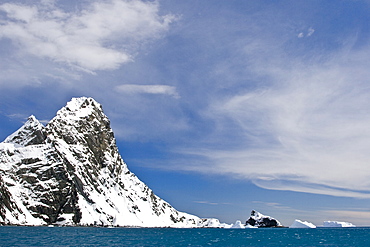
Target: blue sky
x=221 y=107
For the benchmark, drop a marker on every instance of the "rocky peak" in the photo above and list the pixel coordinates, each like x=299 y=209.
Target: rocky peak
x=80 y=108
x=83 y=122
x=32 y=132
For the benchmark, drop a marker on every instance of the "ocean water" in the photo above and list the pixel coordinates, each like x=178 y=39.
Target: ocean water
x=93 y=236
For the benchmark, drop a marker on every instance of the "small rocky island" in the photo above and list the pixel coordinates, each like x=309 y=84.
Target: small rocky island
x=259 y=220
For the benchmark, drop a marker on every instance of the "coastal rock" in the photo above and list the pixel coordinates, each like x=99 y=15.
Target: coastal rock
x=70 y=172
x=259 y=220
x=301 y=224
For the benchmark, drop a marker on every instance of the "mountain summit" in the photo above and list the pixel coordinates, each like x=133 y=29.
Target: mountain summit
x=70 y=172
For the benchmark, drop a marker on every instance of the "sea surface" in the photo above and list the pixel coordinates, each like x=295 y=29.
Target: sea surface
x=94 y=236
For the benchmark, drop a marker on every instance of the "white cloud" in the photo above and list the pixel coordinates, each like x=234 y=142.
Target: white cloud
x=307 y=129
x=213 y=203
x=19 y=12
x=148 y=89
x=272 y=205
x=102 y=36
x=310 y=31
x=18 y=116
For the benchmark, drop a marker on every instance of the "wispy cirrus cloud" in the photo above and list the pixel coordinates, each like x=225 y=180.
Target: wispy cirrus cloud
x=306 y=130
x=272 y=205
x=148 y=89
x=299 y=120
x=213 y=203
x=102 y=36
x=308 y=33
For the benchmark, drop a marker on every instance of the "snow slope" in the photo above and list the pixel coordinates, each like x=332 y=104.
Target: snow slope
x=70 y=172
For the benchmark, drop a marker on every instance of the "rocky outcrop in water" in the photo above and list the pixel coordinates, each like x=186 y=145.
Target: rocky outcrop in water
x=259 y=220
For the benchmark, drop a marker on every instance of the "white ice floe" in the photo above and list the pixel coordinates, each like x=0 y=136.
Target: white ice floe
x=213 y=223
x=337 y=224
x=239 y=225
x=301 y=224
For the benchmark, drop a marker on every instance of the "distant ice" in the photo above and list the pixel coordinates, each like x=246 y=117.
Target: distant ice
x=337 y=224
x=238 y=224
x=301 y=224
x=213 y=223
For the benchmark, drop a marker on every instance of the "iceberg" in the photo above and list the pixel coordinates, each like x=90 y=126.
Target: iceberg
x=238 y=224
x=337 y=224
x=301 y=224
x=213 y=223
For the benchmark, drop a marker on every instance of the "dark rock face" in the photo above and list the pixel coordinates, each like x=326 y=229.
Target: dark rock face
x=46 y=181
x=265 y=222
x=6 y=202
x=259 y=220
x=70 y=172
x=251 y=222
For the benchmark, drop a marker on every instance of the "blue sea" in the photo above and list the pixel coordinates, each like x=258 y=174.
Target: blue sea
x=93 y=236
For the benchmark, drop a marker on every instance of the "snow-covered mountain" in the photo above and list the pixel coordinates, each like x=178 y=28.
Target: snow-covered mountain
x=70 y=172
